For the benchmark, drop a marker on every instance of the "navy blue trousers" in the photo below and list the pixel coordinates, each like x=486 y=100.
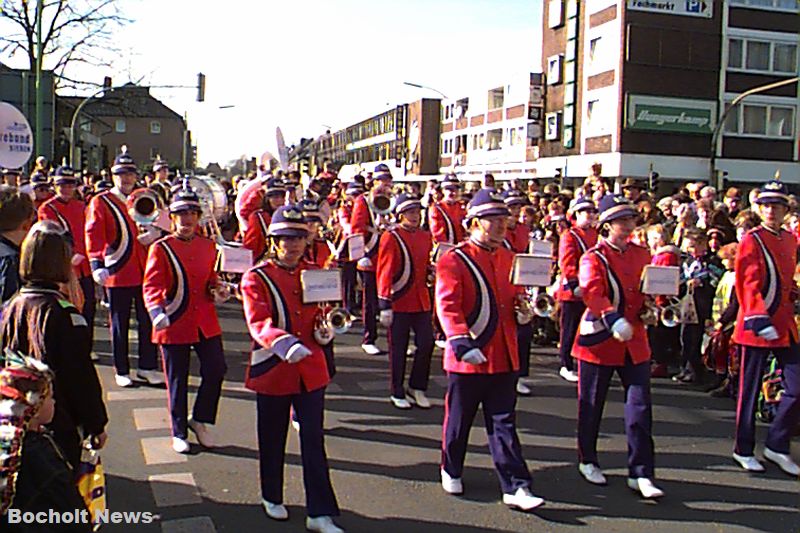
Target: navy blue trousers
x=788 y=416
x=524 y=339
x=273 y=422
x=120 y=300
x=89 y=305
x=175 y=358
x=349 y=285
x=370 y=307
x=592 y=389
x=496 y=393
x=571 y=313
x=398 y=335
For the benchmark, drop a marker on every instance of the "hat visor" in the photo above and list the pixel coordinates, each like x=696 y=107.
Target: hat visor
x=782 y=200
x=494 y=212
x=288 y=232
x=621 y=213
x=64 y=180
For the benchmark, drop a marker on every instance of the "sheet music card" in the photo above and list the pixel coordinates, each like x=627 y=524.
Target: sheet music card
x=321 y=285
x=531 y=270
x=355 y=247
x=660 y=280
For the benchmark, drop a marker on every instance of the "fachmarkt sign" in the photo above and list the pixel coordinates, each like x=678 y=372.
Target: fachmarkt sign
x=677 y=115
x=686 y=8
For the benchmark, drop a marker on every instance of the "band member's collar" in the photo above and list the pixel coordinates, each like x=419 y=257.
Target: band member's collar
x=118 y=193
x=481 y=245
x=613 y=246
x=284 y=266
x=770 y=229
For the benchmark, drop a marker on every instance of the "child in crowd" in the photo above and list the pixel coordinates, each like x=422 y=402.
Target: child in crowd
x=724 y=360
x=700 y=274
x=16 y=218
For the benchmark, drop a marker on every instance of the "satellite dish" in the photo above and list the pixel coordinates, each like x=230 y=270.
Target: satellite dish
x=16 y=137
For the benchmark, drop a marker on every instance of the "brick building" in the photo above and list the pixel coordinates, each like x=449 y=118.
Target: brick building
x=640 y=86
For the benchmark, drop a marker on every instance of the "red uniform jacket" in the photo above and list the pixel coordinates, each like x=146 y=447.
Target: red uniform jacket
x=446 y=221
x=517 y=238
x=72 y=217
x=111 y=240
x=365 y=222
x=255 y=237
x=765 y=287
x=176 y=282
x=669 y=255
x=404 y=258
x=610 y=280
x=278 y=321
x=573 y=244
x=37 y=204
x=475 y=306
x=319 y=253
x=252 y=198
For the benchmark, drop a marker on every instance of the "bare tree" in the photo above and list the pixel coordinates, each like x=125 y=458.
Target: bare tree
x=73 y=31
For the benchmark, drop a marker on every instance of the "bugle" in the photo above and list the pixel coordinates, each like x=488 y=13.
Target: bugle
x=143 y=206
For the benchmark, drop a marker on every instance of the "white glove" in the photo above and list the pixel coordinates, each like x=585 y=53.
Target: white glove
x=622 y=330
x=77 y=259
x=297 y=353
x=769 y=333
x=365 y=262
x=386 y=317
x=161 y=322
x=474 y=357
x=578 y=292
x=150 y=235
x=323 y=336
x=101 y=275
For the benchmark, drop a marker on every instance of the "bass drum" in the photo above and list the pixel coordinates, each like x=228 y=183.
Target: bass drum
x=212 y=197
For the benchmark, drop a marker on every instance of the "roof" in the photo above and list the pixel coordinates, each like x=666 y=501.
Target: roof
x=127 y=101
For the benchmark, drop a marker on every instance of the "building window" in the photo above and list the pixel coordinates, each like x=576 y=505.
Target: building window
x=494 y=139
x=154 y=153
x=119 y=125
x=762 y=120
x=762 y=56
x=785 y=5
x=555 y=14
x=155 y=127
x=496 y=97
x=552 y=126
x=554 y=69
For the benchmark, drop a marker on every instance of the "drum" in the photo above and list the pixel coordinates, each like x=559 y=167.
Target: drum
x=212 y=197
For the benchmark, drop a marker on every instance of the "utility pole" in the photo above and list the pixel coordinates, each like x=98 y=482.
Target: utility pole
x=39 y=87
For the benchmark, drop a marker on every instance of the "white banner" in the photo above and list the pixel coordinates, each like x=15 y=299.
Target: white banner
x=16 y=137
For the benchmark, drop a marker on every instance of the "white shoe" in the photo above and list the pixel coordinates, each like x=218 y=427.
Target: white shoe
x=123 y=381
x=522 y=389
x=522 y=499
x=400 y=403
x=419 y=398
x=151 y=377
x=371 y=349
x=451 y=485
x=276 y=511
x=94 y=357
x=592 y=474
x=202 y=432
x=441 y=344
x=295 y=424
x=180 y=445
x=749 y=462
x=645 y=487
x=783 y=461
x=322 y=524
x=569 y=375
x=411 y=350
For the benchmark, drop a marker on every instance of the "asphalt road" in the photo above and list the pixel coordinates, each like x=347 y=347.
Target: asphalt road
x=385 y=462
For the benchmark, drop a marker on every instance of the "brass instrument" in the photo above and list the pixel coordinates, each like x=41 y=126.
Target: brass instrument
x=669 y=316
x=226 y=290
x=381 y=200
x=143 y=206
x=535 y=303
x=334 y=321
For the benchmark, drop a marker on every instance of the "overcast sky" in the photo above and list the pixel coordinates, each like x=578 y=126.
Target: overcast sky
x=305 y=64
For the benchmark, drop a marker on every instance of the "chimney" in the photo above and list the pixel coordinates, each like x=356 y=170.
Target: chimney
x=107 y=85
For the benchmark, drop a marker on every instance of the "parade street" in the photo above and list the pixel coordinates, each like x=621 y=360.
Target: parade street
x=385 y=462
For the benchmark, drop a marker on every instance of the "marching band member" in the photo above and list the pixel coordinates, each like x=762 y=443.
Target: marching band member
x=446 y=217
x=612 y=338
x=765 y=288
x=256 y=234
x=160 y=182
x=365 y=221
x=572 y=245
x=318 y=250
x=180 y=288
x=344 y=217
x=475 y=302
x=288 y=370
x=404 y=263
x=42 y=191
x=664 y=344
x=67 y=210
x=517 y=236
x=117 y=259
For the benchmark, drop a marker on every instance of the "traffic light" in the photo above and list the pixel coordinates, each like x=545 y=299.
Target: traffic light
x=652 y=181
x=201 y=87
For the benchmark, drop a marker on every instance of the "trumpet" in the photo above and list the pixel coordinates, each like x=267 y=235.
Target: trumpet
x=335 y=321
x=538 y=304
x=669 y=316
x=224 y=291
x=143 y=206
x=381 y=201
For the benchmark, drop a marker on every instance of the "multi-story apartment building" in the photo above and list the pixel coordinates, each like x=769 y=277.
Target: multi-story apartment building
x=493 y=131
x=406 y=138
x=640 y=86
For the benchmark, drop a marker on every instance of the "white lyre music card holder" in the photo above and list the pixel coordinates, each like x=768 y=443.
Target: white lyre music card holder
x=538 y=247
x=234 y=259
x=660 y=280
x=355 y=247
x=531 y=270
x=321 y=285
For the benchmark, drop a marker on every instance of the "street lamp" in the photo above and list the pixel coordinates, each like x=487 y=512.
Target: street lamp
x=418 y=86
x=715 y=136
